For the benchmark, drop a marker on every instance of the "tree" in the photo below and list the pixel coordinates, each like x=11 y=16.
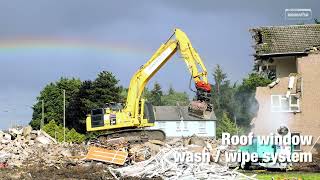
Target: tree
x=316 y=21
x=106 y=89
x=171 y=90
x=52 y=95
x=173 y=97
x=155 y=95
x=226 y=125
x=219 y=78
x=81 y=106
x=222 y=94
x=94 y=94
x=81 y=97
x=124 y=94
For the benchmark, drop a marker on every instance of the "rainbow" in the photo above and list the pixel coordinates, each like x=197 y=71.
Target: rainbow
x=69 y=45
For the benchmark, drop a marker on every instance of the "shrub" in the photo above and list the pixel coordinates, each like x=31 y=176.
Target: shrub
x=56 y=131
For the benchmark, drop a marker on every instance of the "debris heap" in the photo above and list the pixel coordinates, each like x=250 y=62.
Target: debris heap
x=164 y=165
x=24 y=147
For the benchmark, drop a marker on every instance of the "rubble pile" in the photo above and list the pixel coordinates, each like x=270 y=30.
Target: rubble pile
x=23 y=147
x=165 y=165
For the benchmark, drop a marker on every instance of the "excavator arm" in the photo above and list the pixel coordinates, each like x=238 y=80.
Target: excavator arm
x=177 y=42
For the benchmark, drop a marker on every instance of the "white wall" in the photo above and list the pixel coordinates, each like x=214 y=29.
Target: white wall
x=187 y=128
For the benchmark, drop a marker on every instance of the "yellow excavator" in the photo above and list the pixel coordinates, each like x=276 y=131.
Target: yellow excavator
x=131 y=121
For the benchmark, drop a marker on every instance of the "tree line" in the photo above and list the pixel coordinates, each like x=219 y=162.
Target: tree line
x=234 y=104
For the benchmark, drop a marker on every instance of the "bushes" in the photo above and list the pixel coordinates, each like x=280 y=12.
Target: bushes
x=56 y=131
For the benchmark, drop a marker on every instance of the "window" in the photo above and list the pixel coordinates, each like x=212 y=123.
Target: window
x=296 y=147
x=270 y=71
x=178 y=128
x=279 y=103
x=294 y=103
x=185 y=126
x=202 y=127
x=162 y=125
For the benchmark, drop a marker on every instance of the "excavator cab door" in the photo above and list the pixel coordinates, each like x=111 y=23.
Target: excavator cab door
x=97 y=117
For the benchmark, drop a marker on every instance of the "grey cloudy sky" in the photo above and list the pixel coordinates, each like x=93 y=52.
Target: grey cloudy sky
x=217 y=29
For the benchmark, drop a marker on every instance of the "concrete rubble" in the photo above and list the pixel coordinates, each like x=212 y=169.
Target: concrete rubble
x=163 y=164
x=25 y=147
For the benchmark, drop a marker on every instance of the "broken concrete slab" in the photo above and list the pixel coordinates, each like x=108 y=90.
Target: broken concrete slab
x=43 y=140
x=196 y=148
x=157 y=142
x=15 y=132
x=114 y=141
x=1 y=134
x=6 y=138
x=48 y=136
x=196 y=140
x=26 y=131
x=154 y=148
x=4 y=157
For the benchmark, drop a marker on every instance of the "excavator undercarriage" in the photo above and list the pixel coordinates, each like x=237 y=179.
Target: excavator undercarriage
x=131 y=136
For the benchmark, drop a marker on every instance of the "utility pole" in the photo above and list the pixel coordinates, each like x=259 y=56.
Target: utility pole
x=235 y=122
x=42 y=119
x=64 y=115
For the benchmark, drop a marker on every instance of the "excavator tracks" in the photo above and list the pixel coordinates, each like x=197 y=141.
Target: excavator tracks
x=131 y=136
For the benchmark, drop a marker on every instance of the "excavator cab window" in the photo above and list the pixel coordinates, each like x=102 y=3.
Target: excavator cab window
x=97 y=112
x=114 y=106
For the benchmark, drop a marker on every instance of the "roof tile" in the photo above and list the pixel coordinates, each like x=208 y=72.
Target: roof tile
x=285 y=39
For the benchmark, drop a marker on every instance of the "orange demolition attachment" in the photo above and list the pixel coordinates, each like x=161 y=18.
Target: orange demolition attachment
x=201 y=107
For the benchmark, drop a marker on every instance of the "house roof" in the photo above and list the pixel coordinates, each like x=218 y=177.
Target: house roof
x=291 y=39
x=176 y=113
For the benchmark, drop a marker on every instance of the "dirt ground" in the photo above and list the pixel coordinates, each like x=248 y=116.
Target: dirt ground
x=100 y=171
x=66 y=172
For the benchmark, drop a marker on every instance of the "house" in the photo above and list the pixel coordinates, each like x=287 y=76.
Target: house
x=290 y=56
x=176 y=122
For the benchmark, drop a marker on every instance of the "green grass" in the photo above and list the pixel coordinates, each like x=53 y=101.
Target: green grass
x=286 y=175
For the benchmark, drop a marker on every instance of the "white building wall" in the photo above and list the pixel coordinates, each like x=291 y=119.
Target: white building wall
x=187 y=128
